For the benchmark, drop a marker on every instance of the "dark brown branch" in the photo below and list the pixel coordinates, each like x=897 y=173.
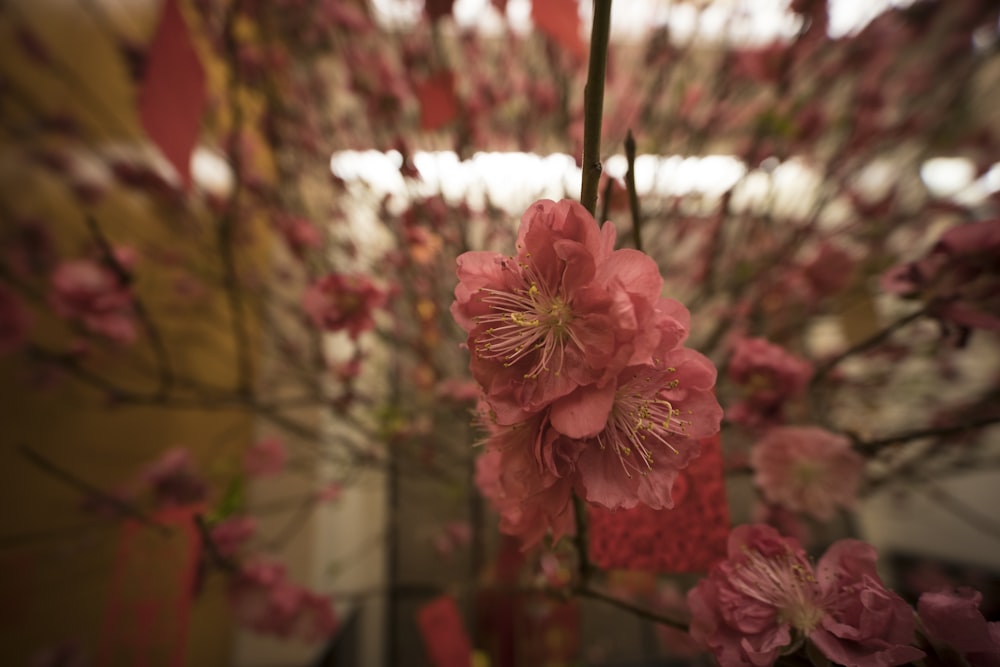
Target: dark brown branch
x=872 y=446
x=866 y=344
x=90 y=490
x=593 y=102
x=641 y=612
x=633 y=196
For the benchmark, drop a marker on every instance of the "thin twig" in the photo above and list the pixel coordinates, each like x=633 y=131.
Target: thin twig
x=48 y=466
x=633 y=196
x=582 y=539
x=641 y=612
x=871 y=446
x=593 y=101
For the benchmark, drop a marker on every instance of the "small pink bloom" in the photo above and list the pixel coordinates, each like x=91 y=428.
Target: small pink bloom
x=331 y=493
x=92 y=294
x=265 y=601
x=766 y=600
x=567 y=310
x=265 y=458
x=769 y=376
x=959 y=279
x=230 y=535
x=807 y=469
x=643 y=431
x=300 y=234
x=343 y=302
x=829 y=271
x=954 y=618
x=173 y=480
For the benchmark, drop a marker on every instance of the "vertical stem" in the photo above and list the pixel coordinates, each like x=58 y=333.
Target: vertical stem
x=633 y=196
x=593 y=103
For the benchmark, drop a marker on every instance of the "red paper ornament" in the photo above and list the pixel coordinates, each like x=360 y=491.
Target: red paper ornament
x=691 y=537
x=172 y=96
x=444 y=634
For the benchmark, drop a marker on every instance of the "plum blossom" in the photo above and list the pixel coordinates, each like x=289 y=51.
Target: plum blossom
x=586 y=386
x=173 y=480
x=959 y=279
x=343 y=302
x=230 y=535
x=954 y=618
x=265 y=458
x=567 y=310
x=770 y=376
x=88 y=292
x=807 y=469
x=265 y=601
x=766 y=600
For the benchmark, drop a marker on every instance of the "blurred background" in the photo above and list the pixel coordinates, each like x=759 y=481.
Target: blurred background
x=238 y=424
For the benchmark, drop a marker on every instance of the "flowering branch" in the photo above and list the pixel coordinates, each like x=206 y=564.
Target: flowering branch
x=871 y=446
x=641 y=612
x=593 y=101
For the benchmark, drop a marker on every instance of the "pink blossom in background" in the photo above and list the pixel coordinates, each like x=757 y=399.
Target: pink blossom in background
x=265 y=601
x=343 y=302
x=173 y=480
x=954 y=618
x=829 y=270
x=769 y=376
x=230 y=535
x=331 y=493
x=14 y=321
x=959 y=279
x=85 y=291
x=807 y=469
x=265 y=458
x=300 y=234
x=766 y=599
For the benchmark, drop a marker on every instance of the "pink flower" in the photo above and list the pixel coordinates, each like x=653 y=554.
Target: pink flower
x=300 y=234
x=767 y=600
x=173 y=479
x=954 y=618
x=14 y=321
x=769 y=375
x=959 y=279
x=643 y=431
x=86 y=291
x=807 y=469
x=567 y=311
x=265 y=601
x=265 y=458
x=343 y=302
x=230 y=535
x=829 y=271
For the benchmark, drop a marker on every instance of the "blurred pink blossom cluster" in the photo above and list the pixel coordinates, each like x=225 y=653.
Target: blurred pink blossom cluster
x=769 y=376
x=265 y=601
x=587 y=386
x=959 y=279
x=343 y=302
x=91 y=293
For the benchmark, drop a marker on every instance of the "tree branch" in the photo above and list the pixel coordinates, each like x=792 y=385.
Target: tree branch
x=593 y=102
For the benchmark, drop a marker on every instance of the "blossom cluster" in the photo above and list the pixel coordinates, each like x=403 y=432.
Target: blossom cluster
x=767 y=599
x=587 y=387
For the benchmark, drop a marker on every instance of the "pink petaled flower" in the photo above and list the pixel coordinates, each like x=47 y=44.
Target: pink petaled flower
x=173 y=479
x=265 y=458
x=643 y=431
x=807 y=469
x=567 y=311
x=14 y=321
x=300 y=234
x=265 y=601
x=343 y=302
x=86 y=291
x=767 y=600
x=769 y=375
x=959 y=279
x=829 y=271
x=954 y=618
x=230 y=535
